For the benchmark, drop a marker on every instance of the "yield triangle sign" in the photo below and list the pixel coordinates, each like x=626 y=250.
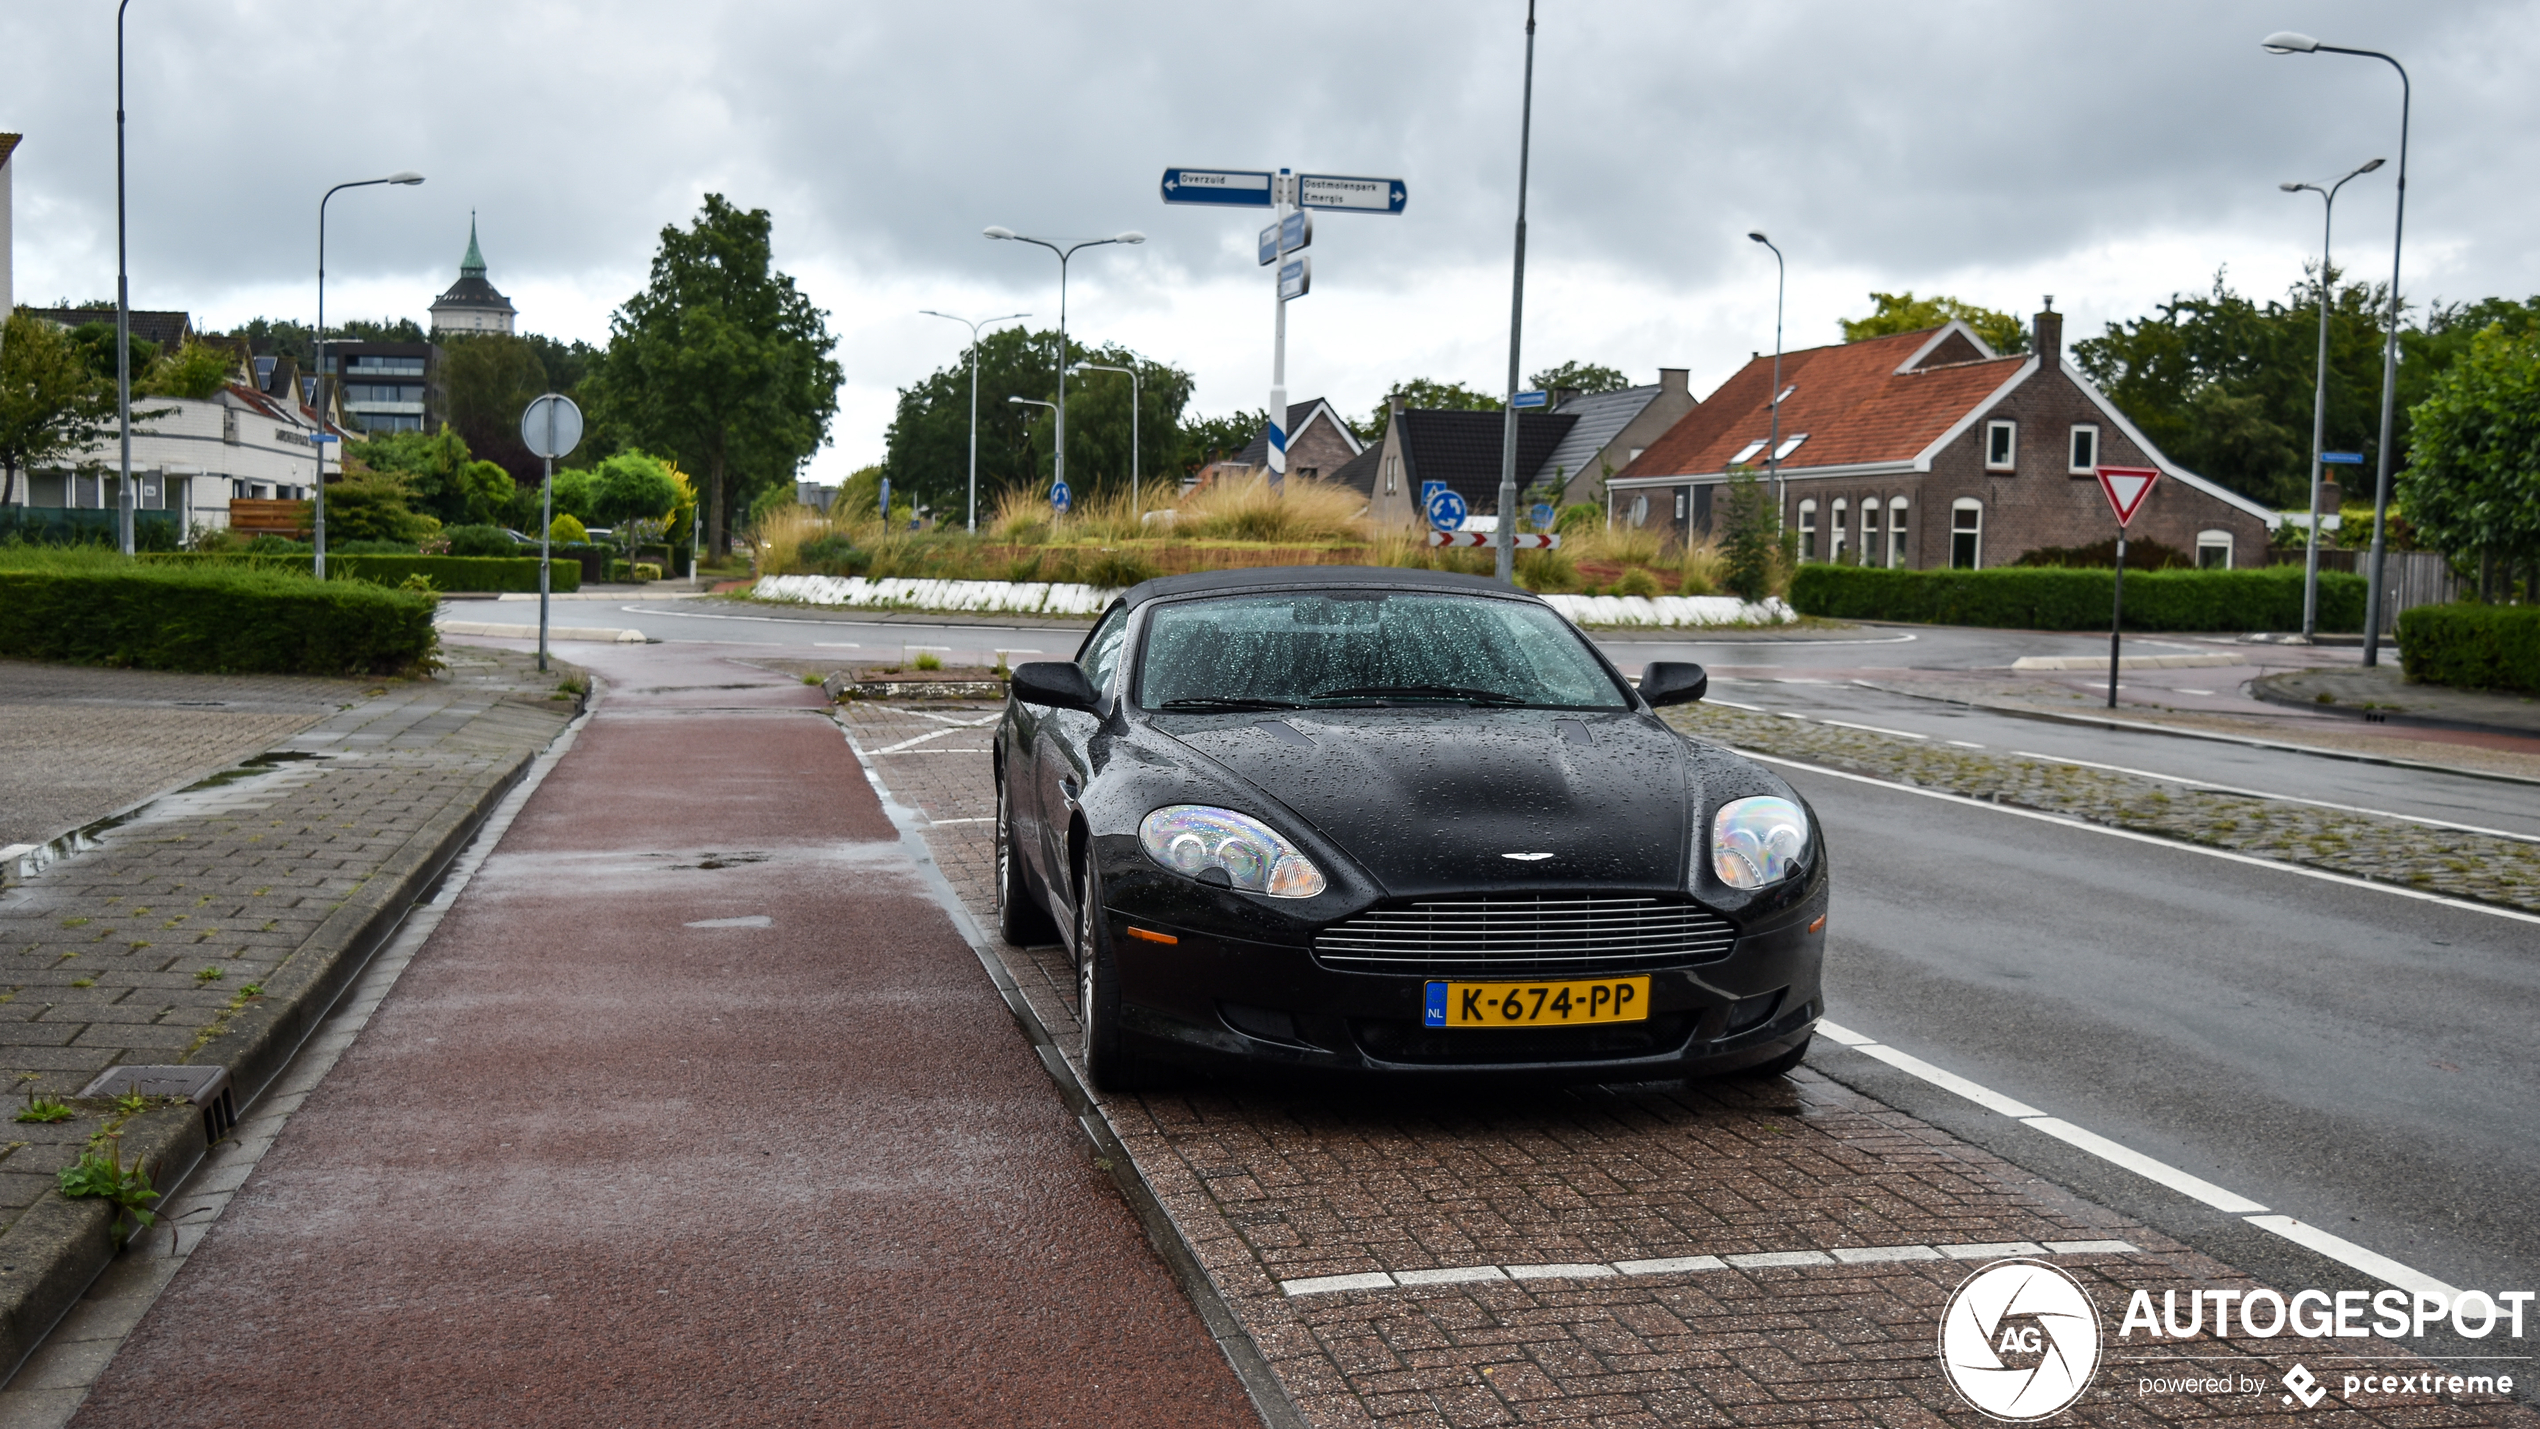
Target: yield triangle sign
x=2126 y=486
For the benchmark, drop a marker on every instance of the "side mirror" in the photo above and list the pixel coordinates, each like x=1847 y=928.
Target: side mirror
x=1666 y=682
x=1058 y=683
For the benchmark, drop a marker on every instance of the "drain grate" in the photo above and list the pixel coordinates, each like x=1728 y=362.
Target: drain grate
x=206 y=1087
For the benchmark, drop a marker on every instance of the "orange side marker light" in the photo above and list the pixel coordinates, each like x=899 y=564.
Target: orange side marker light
x=1149 y=935
x=1817 y=927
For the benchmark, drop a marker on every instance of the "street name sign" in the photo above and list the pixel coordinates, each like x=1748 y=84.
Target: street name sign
x=1296 y=279
x=2125 y=487
x=1354 y=194
x=1289 y=234
x=2343 y=458
x=1532 y=399
x=1242 y=188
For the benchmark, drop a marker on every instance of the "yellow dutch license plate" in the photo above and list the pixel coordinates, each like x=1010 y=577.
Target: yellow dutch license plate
x=1537 y=1004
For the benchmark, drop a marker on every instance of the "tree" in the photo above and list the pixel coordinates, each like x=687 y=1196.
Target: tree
x=196 y=370
x=1584 y=378
x=96 y=342
x=630 y=486
x=488 y=379
x=2473 y=478
x=384 y=330
x=52 y=406
x=2223 y=384
x=1208 y=439
x=720 y=362
x=431 y=471
x=1903 y=312
x=1426 y=393
x=928 y=455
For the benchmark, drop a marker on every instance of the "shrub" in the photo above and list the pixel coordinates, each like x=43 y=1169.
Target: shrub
x=95 y=608
x=79 y=526
x=1637 y=581
x=447 y=573
x=1117 y=569
x=566 y=529
x=2034 y=598
x=647 y=571
x=1750 y=543
x=480 y=541
x=833 y=554
x=2478 y=647
x=1579 y=516
x=2139 y=556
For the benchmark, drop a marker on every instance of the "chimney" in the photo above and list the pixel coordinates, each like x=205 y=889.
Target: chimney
x=1676 y=379
x=2048 y=342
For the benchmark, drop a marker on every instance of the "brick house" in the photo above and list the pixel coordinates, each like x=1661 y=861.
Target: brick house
x=1926 y=449
x=1319 y=445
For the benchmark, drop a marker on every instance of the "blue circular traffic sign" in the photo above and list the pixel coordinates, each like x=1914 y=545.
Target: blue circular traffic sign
x=1446 y=510
x=1543 y=514
x=1060 y=497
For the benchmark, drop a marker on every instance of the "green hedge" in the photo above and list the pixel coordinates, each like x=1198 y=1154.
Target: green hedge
x=447 y=573
x=87 y=526
x=236 y=620
x=2476 y=647
x=2049 y=598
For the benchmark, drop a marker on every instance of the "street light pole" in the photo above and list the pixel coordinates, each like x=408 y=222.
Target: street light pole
x=123 y=315
x=974 y=402
x=1070 y=251
x=1037 y=402
x=2319 y=402
x=2289 y=42
x=1132 y=374
x=317 y=393
x=1505 y=537
x=1773 y=443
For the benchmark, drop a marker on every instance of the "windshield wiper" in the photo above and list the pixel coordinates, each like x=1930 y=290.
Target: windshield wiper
x=1229 y=702
x=1426 y=692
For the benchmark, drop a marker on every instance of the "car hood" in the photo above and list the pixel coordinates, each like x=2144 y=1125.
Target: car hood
x=1432 y=801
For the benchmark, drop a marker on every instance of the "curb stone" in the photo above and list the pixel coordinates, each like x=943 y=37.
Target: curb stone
x=57 y=1246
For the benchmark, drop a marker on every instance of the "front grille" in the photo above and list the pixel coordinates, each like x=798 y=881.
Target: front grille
x=1526 y=935
x=1487 y=1046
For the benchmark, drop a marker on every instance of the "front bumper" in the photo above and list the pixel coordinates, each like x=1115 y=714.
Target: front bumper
x=1209 y=997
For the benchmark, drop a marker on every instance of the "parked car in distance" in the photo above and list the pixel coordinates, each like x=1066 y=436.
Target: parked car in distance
x=1402 y=822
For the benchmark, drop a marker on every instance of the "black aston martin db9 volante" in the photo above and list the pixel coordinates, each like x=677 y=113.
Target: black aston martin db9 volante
x=1389 y=820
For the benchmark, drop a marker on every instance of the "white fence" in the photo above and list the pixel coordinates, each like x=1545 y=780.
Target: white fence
x=1059 y=598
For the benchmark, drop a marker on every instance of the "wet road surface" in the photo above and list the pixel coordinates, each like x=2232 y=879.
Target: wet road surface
x=695 y=1110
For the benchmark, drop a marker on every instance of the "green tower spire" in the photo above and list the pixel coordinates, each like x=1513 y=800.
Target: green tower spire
x=473 y=265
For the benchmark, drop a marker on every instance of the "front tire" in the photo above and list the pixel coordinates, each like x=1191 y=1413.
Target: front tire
x=1107 y=1065
x=1021 y=920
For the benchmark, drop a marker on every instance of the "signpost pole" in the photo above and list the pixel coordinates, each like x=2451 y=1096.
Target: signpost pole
x=550 y=427
x=546 y=537
x=2126 y=487
x=1277 y=455
x=2116 y=618
x=1506 y=566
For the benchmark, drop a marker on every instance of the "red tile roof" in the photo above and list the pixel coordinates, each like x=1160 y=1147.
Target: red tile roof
x=1850 y=401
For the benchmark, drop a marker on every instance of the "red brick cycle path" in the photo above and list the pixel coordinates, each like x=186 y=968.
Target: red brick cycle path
x=591 y=1164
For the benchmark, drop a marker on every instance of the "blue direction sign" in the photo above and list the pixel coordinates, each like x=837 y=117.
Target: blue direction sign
x=1353 y=194
x=1243 y=188
x=1446 y=509
x=1296 y=278
x=1532 y=399
x=1060 y=496
x=2343 y=458
x=1289 y=234
x=1543 y=515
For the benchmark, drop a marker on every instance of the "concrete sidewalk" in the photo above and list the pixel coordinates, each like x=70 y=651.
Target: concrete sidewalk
x=695 y=1109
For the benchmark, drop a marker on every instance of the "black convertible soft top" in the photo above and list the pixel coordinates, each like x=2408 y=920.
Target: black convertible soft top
x=1307 y=577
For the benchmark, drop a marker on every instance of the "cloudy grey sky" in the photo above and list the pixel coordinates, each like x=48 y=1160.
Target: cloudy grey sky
x=2109 y=154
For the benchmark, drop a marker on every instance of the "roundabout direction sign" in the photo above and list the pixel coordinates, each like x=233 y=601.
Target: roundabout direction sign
x=1061 y=497
x=1446 y=509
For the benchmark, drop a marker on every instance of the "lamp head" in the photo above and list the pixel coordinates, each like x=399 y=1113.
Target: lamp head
x=2292 y=188
x=2375 y=164
x=1132 y=236
x=997 y=230
x=1759 y=237
x=405 y=176
x=2289 y=42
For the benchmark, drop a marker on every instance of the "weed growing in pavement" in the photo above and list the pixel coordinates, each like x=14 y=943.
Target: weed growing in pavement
x=83 y=982
x=210 y=974
x=41 y=1108
x=101 y=1172
x=810 y=679
x=928 y=660
x=132 y=1103
x=74 y=922
x=138 y=945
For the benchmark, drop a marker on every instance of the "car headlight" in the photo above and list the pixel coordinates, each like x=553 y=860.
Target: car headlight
x=1191 y=839
x=1758 y=842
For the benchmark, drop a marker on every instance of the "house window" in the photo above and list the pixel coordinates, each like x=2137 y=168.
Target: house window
x=1393 y=474
x=1640 y=509
x=2213 y=550
x=1807 y=530
x=1896 y=532
x=1966 y=534
x=2085 y=460
x=1635 y=456
x=2001 y=445
x=1684 y=503
x=1872 y=552
x=1747 y=452
x=1836 y=531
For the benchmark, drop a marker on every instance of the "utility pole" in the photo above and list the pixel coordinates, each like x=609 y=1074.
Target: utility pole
x=1505 y=538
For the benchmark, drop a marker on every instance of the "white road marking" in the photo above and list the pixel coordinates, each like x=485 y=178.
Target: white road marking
x=1732 y=704
x=1570 y=1271
x=1874 y=729
x=2287 y=798
x=2346 y=1252
x=982 y=819
x=1994 y=1251
x=754 y=920
x=835 y=645
x=1695 y=1264
x=1965 y=744
x=1460 y=1275
x=1774 y=1258
x=1982 y=1096
x=962 y=723
x=930 y=734
x=2182 y=689
x=1880 y=1254
x=1671 y=1264
x=2130 y=835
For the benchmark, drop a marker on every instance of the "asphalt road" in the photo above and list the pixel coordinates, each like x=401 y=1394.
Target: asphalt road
x=695 y=1109
x=2347 y=1056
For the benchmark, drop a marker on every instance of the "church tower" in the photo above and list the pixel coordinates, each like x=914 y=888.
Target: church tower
x=471 y=305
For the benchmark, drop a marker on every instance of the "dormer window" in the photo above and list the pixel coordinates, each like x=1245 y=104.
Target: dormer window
x=2001 y=446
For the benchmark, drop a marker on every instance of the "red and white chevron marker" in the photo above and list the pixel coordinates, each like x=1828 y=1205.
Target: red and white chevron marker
x=2125 y=488
x=1523 y=540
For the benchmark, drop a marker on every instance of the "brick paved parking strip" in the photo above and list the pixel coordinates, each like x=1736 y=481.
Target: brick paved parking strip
x=1712 y=1253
